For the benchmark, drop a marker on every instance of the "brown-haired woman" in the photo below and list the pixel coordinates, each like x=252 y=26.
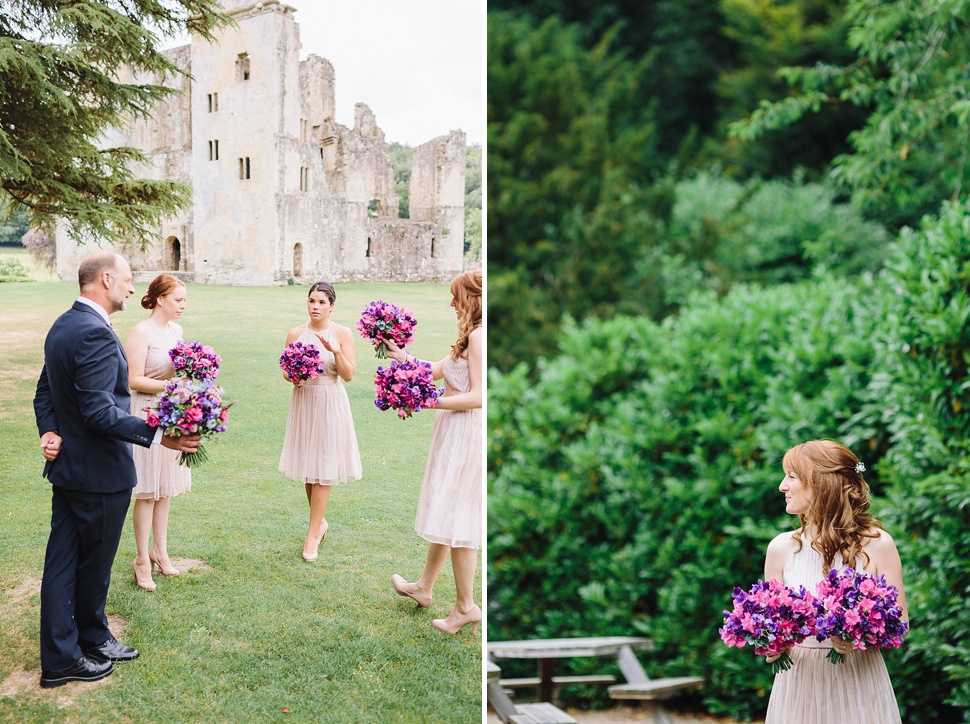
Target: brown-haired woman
x=160 y=477
x=450 y=506
x=824 y=487
x=320 y=445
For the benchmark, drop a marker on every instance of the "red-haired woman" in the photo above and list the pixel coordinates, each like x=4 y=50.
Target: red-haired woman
x=824 y=487
x=160 y=477
x=450 y=506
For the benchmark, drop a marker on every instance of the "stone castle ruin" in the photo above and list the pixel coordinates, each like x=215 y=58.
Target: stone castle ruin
x=281 y=191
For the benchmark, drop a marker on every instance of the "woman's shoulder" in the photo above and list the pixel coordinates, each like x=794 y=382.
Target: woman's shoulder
x=342 y=330
x=141 y=332
x=783 y=543
x=295 y=332
x=879 y=541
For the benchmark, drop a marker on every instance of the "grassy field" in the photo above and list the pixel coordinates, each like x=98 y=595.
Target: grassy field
x=256 y=634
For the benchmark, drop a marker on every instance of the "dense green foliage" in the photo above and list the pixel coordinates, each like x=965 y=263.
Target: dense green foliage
x=634 y=482
x=473 y=205
x=590 y=217
x=14 y=227
x=911 y=70
x=59 y=95
x=13 y=270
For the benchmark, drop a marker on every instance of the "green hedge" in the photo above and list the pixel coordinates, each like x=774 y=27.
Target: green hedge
x=634 y=482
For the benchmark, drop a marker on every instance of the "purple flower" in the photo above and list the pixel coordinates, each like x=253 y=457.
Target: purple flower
x=381 y=321
x=301 y=361
x=195 y=361
x=771 y=617
x=406 y=387
x=861 y=608
x=190 y=407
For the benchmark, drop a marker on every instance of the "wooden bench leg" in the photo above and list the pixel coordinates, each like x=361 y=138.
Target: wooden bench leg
x=546 y=688
x=658 y=715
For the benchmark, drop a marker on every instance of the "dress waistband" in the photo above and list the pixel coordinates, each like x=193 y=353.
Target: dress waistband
x=813 y=643
x=322 y=380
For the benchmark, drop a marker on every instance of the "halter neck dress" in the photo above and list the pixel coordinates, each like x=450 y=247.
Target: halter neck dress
x=159 y=473
x=320 y=444
x=816 y=691
x=450 y=504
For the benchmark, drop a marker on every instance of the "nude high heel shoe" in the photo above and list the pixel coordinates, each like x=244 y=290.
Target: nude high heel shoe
x=311 y=557
x=457 y=621
x=144 y=581
x=171 y=571
x=399 y=583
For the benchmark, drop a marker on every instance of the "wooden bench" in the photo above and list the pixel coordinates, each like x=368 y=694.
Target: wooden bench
x=541 y=713
x=642 y=688
x=534 y=681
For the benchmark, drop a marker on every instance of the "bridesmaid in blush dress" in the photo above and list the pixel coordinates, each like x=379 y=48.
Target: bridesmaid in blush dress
x=450 y=505
x=824 y=487
x=160 y=476
x=320 y=445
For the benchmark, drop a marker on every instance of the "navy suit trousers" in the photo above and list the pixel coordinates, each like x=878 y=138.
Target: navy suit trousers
x=85 y=532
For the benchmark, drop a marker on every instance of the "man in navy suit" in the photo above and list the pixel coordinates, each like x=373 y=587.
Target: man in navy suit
x=86 y=433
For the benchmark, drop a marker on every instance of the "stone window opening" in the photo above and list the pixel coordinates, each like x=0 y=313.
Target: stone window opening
x=367 y=254
x=242 y=66
x=373 y=209
x=298 y=260
x=432 y=247
x=303 y=127
x=213 y=102
x=173 y=248
x=244 y=168
x=304 y=178
x=214 y=150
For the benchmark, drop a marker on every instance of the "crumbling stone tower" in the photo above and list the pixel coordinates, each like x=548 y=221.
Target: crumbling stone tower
x=280 y=190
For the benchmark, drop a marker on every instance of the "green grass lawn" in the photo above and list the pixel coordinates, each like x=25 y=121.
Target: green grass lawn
x=258 y=635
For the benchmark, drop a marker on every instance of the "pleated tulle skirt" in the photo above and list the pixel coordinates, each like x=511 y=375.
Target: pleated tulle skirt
x=816 y=691
x=320 y=445
x=450 y=506
x=157 y=468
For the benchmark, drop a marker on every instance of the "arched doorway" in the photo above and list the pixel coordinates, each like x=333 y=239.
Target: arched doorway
x=298 y=260
x=173 y=253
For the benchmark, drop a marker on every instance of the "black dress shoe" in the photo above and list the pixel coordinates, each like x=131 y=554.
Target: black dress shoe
x=111 y=650
x=81 y=670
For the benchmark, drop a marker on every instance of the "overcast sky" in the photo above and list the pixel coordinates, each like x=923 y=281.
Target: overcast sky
x=417 y=64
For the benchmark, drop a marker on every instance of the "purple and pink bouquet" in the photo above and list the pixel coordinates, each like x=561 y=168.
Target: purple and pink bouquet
x=301 y=361
x=190 y=407
x=860 y=608
x=382 y=321
x=195 y=361
x=406 y=387
x=772 y=617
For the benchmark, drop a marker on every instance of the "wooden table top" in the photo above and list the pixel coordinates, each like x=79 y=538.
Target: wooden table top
x=566 y=648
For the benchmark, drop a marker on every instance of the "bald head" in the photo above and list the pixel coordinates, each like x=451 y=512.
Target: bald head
x=94 y=265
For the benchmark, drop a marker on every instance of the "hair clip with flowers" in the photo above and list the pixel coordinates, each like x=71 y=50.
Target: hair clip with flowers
x=860 y=467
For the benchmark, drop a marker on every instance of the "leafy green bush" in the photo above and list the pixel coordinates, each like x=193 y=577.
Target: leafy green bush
x=634 y=483
x=13 y=270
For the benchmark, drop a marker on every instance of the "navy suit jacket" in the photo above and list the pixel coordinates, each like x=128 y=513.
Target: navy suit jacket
x=83 y=394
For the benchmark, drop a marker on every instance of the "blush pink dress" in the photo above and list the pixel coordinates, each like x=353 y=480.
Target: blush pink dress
x=450 y=505
x=816 y=691
x=320 y=444
x=158 y=470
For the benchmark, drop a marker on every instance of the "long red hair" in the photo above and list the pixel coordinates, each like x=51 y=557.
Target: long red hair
x=839 y=509
x=467 y=290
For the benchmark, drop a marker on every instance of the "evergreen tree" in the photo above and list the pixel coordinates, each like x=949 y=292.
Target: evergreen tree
x=61 y=91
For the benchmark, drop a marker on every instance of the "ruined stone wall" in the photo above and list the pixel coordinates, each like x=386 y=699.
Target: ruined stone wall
x=437 y=194
x=280 y=190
